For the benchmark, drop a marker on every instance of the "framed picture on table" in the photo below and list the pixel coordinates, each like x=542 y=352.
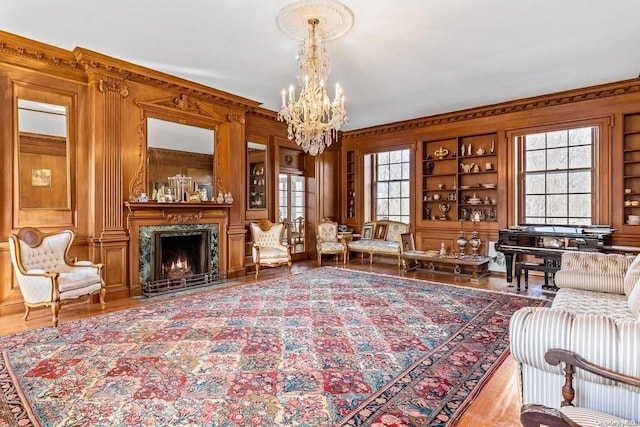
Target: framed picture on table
x=367 y=231
x=381 y=232
x=408 y=242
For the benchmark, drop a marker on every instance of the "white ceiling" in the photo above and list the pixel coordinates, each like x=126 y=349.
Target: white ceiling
x=402 y=59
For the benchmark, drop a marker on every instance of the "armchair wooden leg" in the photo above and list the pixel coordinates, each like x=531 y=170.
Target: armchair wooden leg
x=257 y=270
x=27 y=310
x=103 y=293
x=55 y=309
x=289 y=265
x=319 y=259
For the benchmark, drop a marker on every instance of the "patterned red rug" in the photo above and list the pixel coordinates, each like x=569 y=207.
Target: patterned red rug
x=324 y=347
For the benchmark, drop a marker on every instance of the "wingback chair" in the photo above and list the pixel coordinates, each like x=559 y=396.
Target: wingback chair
x=45 y=274
x=327 y=241
x=268 y=249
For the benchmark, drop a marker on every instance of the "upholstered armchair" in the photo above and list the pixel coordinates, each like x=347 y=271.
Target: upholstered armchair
x=44 y=273
x=596 y=314
x=327 y=241
x=268 y=249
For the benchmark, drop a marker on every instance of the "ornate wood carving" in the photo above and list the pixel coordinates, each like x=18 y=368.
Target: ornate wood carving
x=180 y=217
x=137 y=184
x=95 y=63
x=183 y=109
x=234 y=116
x=49 y=55
x=105 y=86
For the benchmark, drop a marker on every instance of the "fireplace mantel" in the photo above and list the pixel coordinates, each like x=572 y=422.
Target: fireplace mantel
x=176 y=211
x=154 y=214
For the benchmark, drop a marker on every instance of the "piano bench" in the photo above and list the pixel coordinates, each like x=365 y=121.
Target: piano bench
x=545 y=267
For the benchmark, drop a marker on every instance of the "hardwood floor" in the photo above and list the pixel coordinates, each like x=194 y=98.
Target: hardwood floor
x=498 y=404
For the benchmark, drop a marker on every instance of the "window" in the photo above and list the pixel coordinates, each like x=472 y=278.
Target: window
x=390 y=185
x=557 y=176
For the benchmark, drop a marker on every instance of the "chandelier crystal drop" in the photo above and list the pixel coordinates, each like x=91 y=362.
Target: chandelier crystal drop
x=313 y=119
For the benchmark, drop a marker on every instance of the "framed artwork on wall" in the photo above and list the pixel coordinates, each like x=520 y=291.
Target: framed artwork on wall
x=40 y=177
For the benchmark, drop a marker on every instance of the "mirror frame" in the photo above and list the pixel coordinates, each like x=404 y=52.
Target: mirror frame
x=68 y=100
x=182 y=109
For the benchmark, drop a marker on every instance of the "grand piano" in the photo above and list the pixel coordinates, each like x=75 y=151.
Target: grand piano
x=549 y=242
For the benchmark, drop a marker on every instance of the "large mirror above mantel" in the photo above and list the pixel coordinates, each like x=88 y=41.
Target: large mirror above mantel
x=178 y=140
x=179 y=158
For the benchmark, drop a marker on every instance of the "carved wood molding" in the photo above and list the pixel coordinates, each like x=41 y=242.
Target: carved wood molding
x=24 y=49
x=182 y=217
x=120 y=89
x=183 y=109
x=527 y=104
x=234 y=116
x=137 y=184
x=96 y=63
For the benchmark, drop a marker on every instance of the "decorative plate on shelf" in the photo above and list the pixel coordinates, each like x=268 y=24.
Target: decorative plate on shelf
x=465 y=187
x=489 y=185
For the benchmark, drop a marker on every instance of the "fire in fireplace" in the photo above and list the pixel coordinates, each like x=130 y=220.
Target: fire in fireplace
x=180 y=259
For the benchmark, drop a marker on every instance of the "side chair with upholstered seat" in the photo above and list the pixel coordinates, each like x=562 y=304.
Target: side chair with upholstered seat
x=268 y=249
x=45 y=274
x=327 y=241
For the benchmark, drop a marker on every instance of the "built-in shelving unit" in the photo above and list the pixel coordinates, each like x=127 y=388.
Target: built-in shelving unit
x=460 y=179
x=257 y=185
x=351 y=182
x=631 y=160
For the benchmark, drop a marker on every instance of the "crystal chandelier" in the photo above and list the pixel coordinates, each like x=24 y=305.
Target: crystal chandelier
x=313 y=119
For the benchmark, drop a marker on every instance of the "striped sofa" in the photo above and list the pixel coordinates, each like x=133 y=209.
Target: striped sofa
x=596 y=314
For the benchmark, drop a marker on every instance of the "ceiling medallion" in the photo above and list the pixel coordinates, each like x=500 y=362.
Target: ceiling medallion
x=313 y=119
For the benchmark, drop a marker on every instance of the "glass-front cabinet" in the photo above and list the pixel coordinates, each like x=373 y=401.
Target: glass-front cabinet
x=256 y=176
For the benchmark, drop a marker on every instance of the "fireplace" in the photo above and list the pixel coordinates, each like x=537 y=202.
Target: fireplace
x=175 y=257
x=179 y=256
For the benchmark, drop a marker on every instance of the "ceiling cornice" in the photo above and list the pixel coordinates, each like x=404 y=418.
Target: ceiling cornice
x=22 y=52
x=97 y=63
x=526 y=104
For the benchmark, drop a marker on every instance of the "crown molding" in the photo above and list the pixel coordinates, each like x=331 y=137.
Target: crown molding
x=522 y=105
x=95 y=63
x=23 y=52
x=81 y=63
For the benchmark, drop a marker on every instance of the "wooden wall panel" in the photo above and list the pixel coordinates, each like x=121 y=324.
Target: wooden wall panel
x=603 y=105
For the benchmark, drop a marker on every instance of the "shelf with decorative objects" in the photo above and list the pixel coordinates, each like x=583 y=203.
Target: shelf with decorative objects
x=257 y=186
x=351 y=182
x=631 y=165
x=460 y=179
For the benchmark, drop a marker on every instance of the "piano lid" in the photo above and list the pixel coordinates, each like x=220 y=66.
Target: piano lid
x=562 y=229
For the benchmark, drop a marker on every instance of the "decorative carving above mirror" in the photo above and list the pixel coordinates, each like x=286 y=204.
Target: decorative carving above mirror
x=178 y=138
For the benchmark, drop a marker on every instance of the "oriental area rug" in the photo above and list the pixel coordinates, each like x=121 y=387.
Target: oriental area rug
x=327 y=347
